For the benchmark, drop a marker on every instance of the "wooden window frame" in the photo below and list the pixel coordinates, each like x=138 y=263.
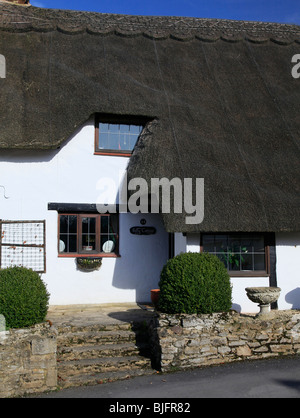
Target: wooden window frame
x=80 y=252
x=247 y=273
x=114 y=119
x=97 y=233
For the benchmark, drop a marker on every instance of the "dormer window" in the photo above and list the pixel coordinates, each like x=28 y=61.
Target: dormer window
x=117 y=136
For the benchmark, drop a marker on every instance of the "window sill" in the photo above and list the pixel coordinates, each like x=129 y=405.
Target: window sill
x=113 y=154
x=75 y=255
x=253 y=274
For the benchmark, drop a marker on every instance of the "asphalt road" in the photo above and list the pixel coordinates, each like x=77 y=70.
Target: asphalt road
x=272 y=378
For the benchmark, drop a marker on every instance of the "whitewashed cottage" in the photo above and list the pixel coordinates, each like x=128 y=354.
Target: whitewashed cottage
x=90 y=102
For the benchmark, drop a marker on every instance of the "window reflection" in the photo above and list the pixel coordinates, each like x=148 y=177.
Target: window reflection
x=238 y=252
x=118 y=137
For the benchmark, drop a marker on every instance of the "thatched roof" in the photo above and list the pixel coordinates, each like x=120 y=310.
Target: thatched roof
x=224 y=103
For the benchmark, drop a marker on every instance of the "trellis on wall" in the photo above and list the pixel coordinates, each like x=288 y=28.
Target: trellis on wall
x=22 y=243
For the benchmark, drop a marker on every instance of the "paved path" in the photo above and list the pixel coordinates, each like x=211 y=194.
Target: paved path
x=105 y=314
x=273 y=378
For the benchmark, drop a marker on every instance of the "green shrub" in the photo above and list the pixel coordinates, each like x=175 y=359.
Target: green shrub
x=23 y=297
x=195 y=283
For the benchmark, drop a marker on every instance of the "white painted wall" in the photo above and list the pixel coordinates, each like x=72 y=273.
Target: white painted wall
x=180 y=245
x=288 y=269
x=71 y=174
x=240 y=300
x=193 y=243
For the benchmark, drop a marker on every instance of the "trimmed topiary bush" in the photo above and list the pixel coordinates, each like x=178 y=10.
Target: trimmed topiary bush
x=195 y=283
x=23 y=297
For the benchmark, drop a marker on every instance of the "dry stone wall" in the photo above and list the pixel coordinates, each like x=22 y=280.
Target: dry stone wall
x=28 y=357
x=27 y=360
x=186 y=341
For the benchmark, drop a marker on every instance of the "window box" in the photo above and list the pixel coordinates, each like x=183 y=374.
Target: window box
x=88 y=263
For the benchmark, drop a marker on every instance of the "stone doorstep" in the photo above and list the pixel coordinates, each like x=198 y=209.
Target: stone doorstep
x=95 y=307
x=105 y=314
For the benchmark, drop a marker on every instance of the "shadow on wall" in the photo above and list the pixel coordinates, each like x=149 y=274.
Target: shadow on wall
x=293 y=297
x=142 y=256
x=236 y=307
x=27 y=156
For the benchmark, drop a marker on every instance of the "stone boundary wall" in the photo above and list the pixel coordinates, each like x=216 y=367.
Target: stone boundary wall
x=186 y=341
x=28 y=360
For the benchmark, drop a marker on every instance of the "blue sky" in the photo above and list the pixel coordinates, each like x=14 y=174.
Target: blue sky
x=283 y=11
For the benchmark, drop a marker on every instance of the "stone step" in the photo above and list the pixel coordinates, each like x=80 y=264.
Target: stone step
x=100 y=378
x=67 y=369
x=88 y=354
x=88 y=337
x=67 y=328
x=98 y=351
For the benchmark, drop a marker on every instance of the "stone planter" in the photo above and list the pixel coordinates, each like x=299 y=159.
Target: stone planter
x=264 y=296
